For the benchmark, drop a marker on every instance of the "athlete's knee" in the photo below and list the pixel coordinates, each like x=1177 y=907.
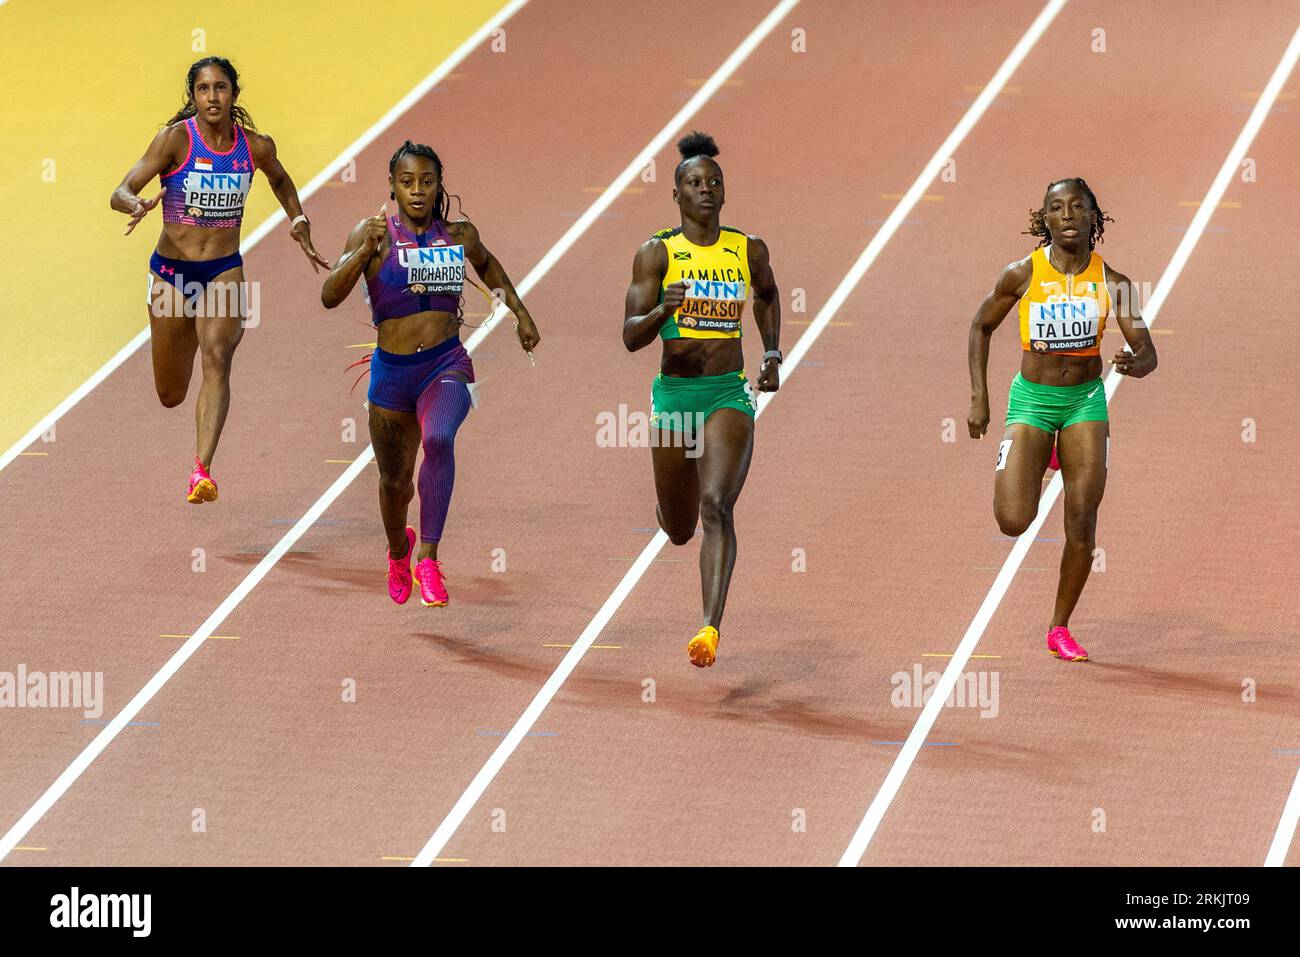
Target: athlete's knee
x=680 y=536
x=715 y=510
x=1081 y=526
x=395 y=486
x=217 y=358
x=170 y=398
x=1015 y=521
x=438 y=442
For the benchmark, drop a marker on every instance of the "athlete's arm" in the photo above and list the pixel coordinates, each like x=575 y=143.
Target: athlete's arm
x=643 y=313
x=362 y=246
x=767 y=311
x=492 y=273
x=1011 y=285
x=1142 y=360
x=160 y=157
x=263 y=150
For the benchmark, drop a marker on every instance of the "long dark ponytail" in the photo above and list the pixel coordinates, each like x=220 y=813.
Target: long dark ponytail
x=188 y=109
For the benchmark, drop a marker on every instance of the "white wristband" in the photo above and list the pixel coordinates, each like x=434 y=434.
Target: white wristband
x=300 y=218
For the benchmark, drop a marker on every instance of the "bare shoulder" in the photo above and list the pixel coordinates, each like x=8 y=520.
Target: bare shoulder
x=260 y=145
x=652 y=252
x=1015 y=276
x=1115 y=277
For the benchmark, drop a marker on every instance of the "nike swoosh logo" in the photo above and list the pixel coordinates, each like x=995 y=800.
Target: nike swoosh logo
x=405 y=244
x=1093 y=392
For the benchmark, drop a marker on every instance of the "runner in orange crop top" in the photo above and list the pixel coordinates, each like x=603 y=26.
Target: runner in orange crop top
x=1056 y=409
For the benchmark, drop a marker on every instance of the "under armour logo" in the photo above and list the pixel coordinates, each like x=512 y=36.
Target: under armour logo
x=167 y=271
x=241 y=164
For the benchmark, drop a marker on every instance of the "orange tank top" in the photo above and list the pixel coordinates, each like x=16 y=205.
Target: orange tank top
x=1064 y=315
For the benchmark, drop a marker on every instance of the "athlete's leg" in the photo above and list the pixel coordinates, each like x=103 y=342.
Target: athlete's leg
x=677 y=487
x=1082 y=450
x=441 y=409
x=724 y=463
x=1018 y=480
x=220 y=325
x=395 y=437
x=173 y=342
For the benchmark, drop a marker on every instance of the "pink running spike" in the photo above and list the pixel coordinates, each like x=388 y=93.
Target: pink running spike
x=399 y=571
x=1063 y=646
x=202 y=488
x=433 y=593
x=1054 y=463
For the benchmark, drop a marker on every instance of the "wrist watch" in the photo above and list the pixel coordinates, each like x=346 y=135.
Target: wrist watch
x=773 y=354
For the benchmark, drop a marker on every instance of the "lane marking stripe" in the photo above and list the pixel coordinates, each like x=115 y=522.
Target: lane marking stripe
x=925 y=722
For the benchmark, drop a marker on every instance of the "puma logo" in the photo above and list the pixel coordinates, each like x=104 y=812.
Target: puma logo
x=732 y=251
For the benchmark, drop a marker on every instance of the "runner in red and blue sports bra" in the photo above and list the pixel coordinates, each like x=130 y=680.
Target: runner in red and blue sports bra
x=414 y=266
x=205 y=157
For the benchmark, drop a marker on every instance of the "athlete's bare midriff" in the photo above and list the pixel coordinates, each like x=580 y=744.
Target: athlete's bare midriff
x=417 y=332
x=701 y=357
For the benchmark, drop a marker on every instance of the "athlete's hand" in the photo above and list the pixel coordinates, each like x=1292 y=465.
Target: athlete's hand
x=978 y=420
x=1133 y=364
x=674 y=296
x=376 y=230
x=526 y=330
x=142 y=207
x=301 y=234
x=769 y=377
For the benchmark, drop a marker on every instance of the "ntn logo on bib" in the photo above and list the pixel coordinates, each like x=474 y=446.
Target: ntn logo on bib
x=433 y=269
x=216 y=194
x=1066 y=325
x=713 y=306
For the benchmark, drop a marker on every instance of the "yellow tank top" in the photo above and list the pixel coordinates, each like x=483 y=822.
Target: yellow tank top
x=719 y=285
x=1064 y=315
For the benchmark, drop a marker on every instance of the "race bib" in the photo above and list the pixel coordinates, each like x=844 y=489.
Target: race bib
x=712 y=306
x=216 y=195
x=433 y=269
x=1063 y=325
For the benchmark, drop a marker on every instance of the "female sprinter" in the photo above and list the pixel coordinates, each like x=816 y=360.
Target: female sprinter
x=414 y=264
x=206 y=156
x=1065 y=294
x=689 y=286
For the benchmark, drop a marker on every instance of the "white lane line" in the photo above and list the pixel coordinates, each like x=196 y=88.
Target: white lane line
x=925 y=722
x=214 y=621
x=1277 y=851
x=589 y=634
x=276 y=218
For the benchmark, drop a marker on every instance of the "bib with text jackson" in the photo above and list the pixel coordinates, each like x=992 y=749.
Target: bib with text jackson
x=1064 y=315
x=718 y=285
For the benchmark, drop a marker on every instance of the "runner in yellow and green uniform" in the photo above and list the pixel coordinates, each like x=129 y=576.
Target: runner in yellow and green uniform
x=689 y=287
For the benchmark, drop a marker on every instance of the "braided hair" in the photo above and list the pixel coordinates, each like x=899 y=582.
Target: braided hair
x=694 y=144
x=188 y=108
x=1038 y=221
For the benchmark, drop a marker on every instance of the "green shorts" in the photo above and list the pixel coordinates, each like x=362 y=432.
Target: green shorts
x=681 y=404
x=1054 y=407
